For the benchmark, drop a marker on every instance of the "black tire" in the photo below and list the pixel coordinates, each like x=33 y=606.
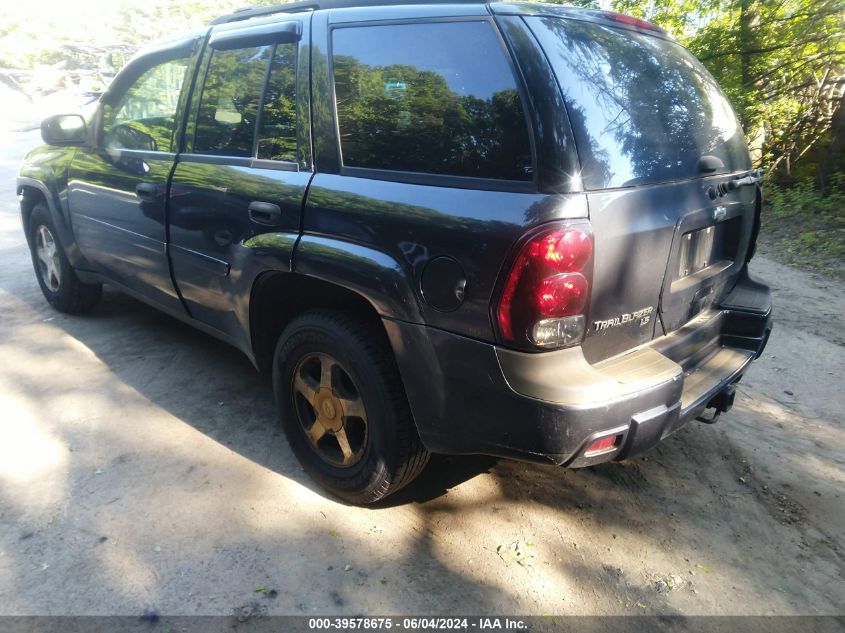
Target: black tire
x=390 y=454
x=59 y=283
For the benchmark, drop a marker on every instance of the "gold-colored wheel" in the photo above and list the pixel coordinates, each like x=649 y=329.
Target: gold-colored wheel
x=330 y=410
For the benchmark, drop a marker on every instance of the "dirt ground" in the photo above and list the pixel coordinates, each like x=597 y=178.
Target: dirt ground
x=141 y=470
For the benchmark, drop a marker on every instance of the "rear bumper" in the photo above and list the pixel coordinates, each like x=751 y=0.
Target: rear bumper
x=472 y=397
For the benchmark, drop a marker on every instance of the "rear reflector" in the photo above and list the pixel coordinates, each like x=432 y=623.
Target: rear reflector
x=601 y=445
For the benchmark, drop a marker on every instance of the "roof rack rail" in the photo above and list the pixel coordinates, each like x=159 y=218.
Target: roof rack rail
x=247 y=13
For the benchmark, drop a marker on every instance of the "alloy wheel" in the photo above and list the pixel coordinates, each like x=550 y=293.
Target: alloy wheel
x=48 y=258
x=330 y=409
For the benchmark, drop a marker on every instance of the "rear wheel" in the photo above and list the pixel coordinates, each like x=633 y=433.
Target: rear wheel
x=343 y=407
x=59 y=283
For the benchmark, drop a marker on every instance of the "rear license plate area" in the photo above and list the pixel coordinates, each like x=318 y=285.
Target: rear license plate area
x=697 y=251
x=704 y=247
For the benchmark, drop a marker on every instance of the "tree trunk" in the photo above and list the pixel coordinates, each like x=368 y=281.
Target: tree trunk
x=834 y=157
x=749 y=22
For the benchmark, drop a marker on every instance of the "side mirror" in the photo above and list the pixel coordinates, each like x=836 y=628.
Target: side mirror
x=64 y=129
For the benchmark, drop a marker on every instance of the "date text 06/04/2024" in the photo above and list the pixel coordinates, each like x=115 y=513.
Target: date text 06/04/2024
x=417 y=624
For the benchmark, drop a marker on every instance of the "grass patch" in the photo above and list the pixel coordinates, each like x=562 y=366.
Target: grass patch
x=805 y=228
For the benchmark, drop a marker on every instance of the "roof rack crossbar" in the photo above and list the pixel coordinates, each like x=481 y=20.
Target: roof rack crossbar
x=247 y=13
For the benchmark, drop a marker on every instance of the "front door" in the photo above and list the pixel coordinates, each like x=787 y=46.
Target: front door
x=244 y=171
x=117 y=188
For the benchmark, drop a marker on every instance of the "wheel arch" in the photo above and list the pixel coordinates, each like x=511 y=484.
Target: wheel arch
x=278 y=297
x=30 y=193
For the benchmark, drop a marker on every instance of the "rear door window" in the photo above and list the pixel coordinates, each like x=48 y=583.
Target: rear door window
x=144 y=117
x=228 y=109
x=642 y=108
x=235 y=100
x=433 y=98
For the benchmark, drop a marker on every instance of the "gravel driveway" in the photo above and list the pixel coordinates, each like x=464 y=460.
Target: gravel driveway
x=141 y=470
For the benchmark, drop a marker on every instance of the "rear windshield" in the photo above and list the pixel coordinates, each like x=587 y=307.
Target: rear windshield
x=643 y=109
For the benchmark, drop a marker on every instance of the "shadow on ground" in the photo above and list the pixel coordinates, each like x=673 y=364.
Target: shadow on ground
x=685 y=529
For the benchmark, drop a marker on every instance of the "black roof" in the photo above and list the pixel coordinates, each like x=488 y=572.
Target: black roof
x=299 y=7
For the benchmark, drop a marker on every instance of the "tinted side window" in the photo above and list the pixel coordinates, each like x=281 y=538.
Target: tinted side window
x=145 y=115
x=436 y=98
x=277 y=137
x=228 y=107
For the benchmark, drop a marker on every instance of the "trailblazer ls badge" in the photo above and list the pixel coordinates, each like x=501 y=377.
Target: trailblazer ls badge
x=640 y=317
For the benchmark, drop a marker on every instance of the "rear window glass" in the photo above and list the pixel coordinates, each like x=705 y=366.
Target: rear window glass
x=643 y=109
x=435 y=98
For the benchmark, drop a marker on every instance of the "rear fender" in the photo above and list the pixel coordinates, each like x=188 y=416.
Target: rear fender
x=368 y=272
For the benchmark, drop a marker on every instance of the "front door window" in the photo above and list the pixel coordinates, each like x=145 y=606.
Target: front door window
x=144 y=118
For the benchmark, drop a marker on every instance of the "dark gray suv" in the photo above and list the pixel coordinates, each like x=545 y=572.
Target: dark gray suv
x=513 y=229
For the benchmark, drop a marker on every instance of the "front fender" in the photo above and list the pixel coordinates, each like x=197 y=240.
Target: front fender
x=45 y=171
x=370 y=273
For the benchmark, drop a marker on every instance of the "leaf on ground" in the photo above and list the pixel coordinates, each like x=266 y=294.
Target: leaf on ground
x=262 y=589
x=705 y=569
x=518 y=552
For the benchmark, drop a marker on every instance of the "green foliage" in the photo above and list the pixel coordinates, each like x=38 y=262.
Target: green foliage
x=803 y=225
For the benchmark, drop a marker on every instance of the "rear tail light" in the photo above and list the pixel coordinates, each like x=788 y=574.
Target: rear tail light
x=546 y=291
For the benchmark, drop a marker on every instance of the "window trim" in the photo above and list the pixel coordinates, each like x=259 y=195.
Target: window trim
x=239 y=161
x=441 y=180
x=426 y=178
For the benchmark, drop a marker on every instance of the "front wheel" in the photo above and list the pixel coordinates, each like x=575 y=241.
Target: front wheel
x=343 y=407
x=59 y=283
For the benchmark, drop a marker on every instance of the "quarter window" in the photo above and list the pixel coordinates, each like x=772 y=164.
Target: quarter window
x=437 y=98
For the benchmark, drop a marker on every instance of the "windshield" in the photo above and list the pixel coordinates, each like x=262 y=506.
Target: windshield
x=643 y=109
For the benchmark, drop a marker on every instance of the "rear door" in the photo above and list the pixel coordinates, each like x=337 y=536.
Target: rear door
x=245 y=167
x=644 y=113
